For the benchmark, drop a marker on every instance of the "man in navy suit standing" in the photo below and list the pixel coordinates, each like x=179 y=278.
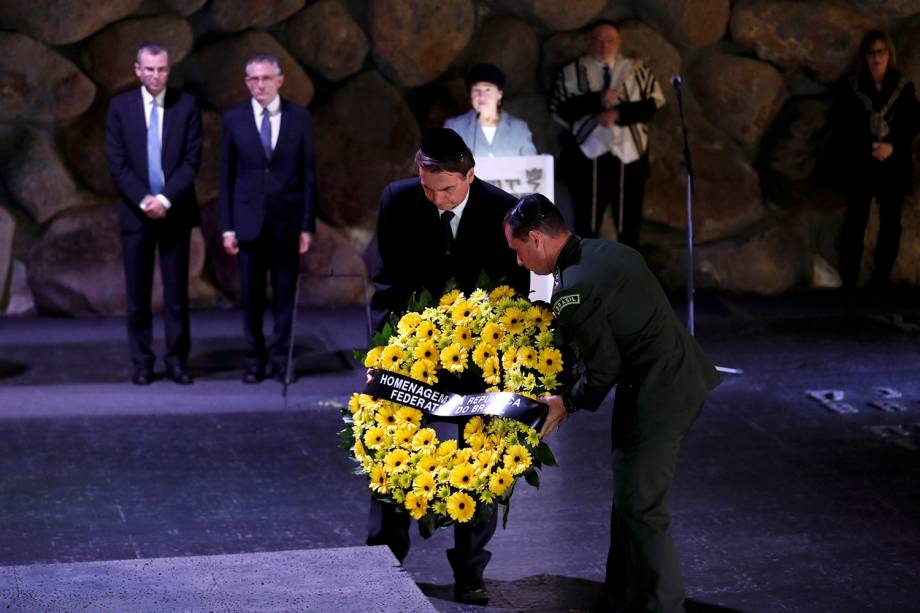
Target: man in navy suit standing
x=153 y=145
x=267 y=207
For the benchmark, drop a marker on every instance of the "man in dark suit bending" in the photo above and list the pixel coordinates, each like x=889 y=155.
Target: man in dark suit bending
x=153 y=146
x=267 y=207
x=443 y=224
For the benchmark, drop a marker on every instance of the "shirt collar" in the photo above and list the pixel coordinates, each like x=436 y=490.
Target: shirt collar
x=148 y=97
x=458 y=210
x=274 y=107
x=600 y=65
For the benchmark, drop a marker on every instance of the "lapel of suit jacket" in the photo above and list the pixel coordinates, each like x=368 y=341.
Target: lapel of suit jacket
x=169 y=119
x=137 y=124
x=287 y=132
x=251 y=130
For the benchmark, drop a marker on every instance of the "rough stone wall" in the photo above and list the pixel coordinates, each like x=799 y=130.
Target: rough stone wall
x=375 y=74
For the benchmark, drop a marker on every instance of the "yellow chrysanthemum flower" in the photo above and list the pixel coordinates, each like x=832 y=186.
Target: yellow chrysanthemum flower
x=427 y=331
x=416 y=505
x=424 y=371
x=397 y=461
x=513 y=320
x=354 y=403
x=500 y=481
x=450 y=297
x=360 y=452
x=538 y=317
x=446 y=449
x=408 y=323
x=428 y=464
x=375 y=438
x=492 y=334
x=379 y=479
x=483 y=352
x=460 y=507
x=464 y=311
x=475 y=425
x=491 y=373
x=463 y=337
x=427 y=350
x=392 y=358
x=404 y=435
x=485 y=460
x=372 y=359
x=500 y=293
x=424 y=486
x=517 y=459
x=476 y=441
x=509 y=358
x=386 y=415
x=426 y=438
x=463 y=456
x=454 y=358
x=527 y=356
x=408 y=415
x=550 y=361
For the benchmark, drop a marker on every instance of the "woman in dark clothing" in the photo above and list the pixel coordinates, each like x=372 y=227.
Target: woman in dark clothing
x=875 y=126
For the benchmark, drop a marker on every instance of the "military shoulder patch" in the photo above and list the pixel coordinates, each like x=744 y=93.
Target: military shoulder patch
x=565 y=301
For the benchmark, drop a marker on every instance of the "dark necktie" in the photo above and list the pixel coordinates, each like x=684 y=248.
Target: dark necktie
x=266 y=133
x=606 y=76
x=448 y=234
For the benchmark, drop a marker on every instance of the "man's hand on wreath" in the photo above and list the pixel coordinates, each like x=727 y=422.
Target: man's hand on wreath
x=369 y=375
x=555 y=416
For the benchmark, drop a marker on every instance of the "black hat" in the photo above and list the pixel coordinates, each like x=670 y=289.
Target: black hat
x=444 y=145
x=488 y=73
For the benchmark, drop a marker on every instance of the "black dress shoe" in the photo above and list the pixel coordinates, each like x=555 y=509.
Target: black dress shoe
x=142 y=376
x=253 y=375
x=471 y=593
x=178 y=374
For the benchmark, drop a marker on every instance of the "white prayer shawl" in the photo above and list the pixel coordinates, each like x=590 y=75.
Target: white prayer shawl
x=634 y=81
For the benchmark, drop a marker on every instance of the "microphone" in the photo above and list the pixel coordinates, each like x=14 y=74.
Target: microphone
x=676 y=81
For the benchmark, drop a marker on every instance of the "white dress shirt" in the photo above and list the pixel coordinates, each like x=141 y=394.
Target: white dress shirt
x=458 y=212
x=274 y=117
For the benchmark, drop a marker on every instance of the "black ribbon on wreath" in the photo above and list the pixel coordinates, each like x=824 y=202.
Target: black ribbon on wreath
x=447 y=406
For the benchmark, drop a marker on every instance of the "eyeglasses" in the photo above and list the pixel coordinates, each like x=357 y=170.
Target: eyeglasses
x=261 y=79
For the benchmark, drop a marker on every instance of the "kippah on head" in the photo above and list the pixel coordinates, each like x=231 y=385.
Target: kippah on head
x=488 y=73
x=444 y=145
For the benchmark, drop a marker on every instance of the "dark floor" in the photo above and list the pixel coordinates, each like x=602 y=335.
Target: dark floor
x=780 y=503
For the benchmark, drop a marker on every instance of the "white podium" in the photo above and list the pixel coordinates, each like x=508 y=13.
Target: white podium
x=522 y=175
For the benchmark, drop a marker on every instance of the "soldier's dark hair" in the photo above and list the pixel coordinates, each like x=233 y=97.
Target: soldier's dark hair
x=151 y=48
x=534 y=212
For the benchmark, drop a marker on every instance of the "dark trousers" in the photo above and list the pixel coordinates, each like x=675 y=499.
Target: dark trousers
x=853 y=232
x=139 y=252
x=582 y=178
x=388 y=526
x=643 y=570
x=277 y=260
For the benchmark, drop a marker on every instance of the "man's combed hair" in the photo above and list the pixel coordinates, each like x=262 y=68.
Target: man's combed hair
x=534 y=212
x=151 y=48
x=263 y=57
x=460 y=164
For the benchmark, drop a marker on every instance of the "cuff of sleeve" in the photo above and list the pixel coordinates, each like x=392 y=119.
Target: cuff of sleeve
x=230 y=233
x=569 y=404
x=164 y=200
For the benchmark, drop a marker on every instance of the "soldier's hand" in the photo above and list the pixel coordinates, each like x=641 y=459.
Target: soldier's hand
x=555 y=416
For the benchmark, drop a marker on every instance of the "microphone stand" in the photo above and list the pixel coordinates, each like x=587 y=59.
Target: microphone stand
x=676 y=81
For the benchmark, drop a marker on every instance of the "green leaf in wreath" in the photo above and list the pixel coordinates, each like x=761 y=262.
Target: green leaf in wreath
x=532 y=477
x=545 y=455
x=382 y=336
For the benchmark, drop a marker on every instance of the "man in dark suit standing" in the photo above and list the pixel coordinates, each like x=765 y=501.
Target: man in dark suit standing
x=153 y=145
x=267 y=207
x=443 y=224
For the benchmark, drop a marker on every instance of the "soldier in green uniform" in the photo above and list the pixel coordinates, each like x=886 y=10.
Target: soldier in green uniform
x=614 y=311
